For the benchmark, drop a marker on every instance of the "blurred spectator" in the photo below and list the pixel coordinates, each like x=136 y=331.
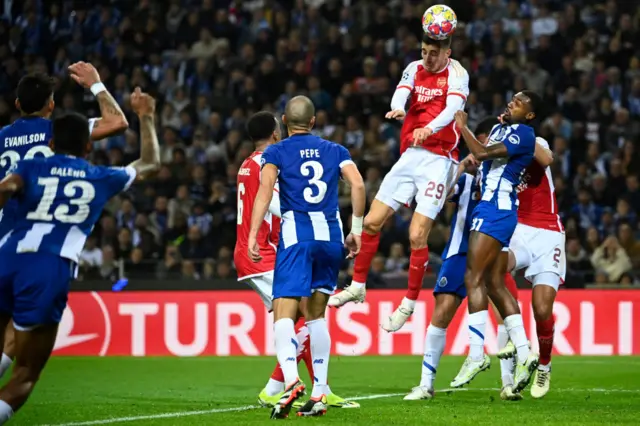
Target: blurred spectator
x=611 y=260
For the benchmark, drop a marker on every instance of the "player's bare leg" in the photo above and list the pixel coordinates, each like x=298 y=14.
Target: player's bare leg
x=443 y=313
x=378 y=214
x=320 y=352
x=285 y=312
x=510 y=311
x=8 y=351
x=418 y=234
x=543 y=298
x=33 y=349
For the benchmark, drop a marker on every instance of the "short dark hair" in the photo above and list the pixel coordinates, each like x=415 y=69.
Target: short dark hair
x=534 y=100
x=485 y=126
x=261 y=126
x=34 y=91
x=71 y=134
x=442 y=44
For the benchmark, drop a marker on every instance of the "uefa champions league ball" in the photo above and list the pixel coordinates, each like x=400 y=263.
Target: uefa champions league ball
x=439 y=22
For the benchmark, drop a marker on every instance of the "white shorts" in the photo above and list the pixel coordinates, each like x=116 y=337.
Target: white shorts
x=421 y=174
x=263 y=285
x=541 y=252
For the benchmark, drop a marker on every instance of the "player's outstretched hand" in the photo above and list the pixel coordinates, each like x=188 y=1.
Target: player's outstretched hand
x=353 y=243
x=142 y=103
x=254 y=251
x=396 y=114
x=421 y=135
x=85 y=74
x=461 y=118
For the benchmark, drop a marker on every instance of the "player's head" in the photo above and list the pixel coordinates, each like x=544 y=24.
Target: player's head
x=34 y=95
x=523 y=108
x=299 y=115
x=71 y=135
x=263 y=129
x=484 y=128
x=435 y=53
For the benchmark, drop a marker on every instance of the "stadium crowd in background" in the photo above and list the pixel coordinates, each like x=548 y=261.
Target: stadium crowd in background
x=211 y=64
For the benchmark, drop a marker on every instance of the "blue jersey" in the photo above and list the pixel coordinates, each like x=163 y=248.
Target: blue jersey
x=62 y=199
x=501 y=176
x=466 y=196
x=309 y=171
x=26 y=138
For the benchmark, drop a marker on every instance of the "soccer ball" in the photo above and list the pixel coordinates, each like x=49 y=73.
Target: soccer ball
x=439 y=22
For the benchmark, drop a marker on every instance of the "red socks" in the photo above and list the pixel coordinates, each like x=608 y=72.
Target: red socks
x=417 y=267
x=510 y=283
x=304 y=354
x=363 y=261
x=545 y=330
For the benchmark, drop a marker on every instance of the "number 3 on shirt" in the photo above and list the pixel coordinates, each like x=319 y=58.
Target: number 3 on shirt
x=476 y=223
x=315 y=170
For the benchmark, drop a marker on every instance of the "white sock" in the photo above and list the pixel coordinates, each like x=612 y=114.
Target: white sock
x=546 y=368
x=320 y=343
x=515 y=328
x=5 y=364
x=433 y=349
x=506 y=365
x=286 y=348
x=477 y=323
x=408 y=303
x=357 y=284
x=5 y=412
x=274 y=387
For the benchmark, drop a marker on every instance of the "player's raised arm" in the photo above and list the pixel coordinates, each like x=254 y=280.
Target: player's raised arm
x=543 y=154
x=149 y=162
x=261 y=206
x=480 y=152
x=403 y=91
x=112 y=120
x=353 y=177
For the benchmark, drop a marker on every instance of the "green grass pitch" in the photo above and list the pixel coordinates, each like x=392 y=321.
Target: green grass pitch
x=221 y=391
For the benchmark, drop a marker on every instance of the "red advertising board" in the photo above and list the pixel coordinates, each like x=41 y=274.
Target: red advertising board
x=191 y=323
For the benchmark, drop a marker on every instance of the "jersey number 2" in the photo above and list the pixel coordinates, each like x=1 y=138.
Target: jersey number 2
x=80 y=194
x=315 y=170
x=9 y=158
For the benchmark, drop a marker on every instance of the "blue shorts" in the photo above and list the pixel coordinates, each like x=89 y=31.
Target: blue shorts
x=451 y=277
x=498 y=224
x=34 y=287
x=306 y=267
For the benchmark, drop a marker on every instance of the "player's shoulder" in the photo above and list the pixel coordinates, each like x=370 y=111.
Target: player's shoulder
x=456 y=70
x=412 y=69
x=524 y=131
x=542 y=142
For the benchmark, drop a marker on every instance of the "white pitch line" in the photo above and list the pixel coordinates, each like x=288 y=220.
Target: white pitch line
x=355 y=398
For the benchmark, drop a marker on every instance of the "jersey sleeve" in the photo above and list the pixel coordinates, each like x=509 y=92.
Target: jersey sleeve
x=92 y=123
x=520 y=142
x=542 y=142
x=119 y=179
x=458 y=81
x=408 y=76
x=271 y=155
x=458 y=188
x=344 y=158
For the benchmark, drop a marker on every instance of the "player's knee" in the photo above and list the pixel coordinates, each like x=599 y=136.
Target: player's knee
x=472 y=278
x=418 y=239
x=542 y=311
x=372 y=225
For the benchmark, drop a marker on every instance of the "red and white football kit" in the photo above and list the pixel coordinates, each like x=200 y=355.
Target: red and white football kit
x=426 y=171
x=257 y=275
x=538 y=242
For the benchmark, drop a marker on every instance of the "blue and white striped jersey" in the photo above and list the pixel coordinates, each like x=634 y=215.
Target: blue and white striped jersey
x=466 y=195
x=309 y=169
x=61 y=201
x=27 y=137
x=501 y=176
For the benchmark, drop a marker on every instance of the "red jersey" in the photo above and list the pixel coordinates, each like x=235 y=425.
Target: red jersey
x=429 y=93
x=248 y=182
x=538 y=206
